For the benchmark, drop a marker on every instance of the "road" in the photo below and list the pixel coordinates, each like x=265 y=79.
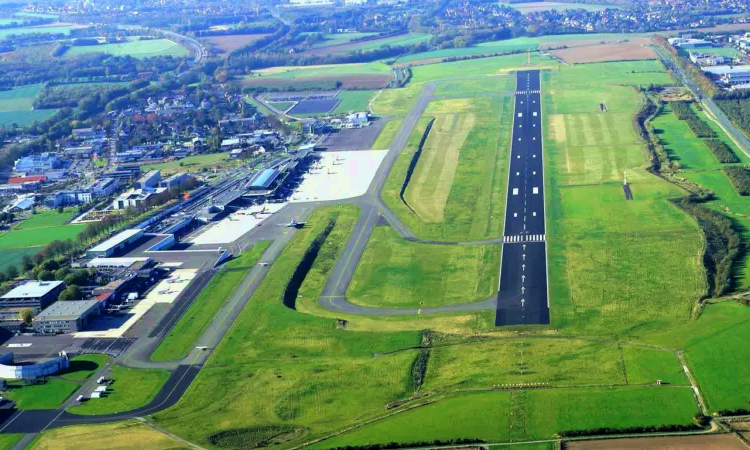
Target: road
x=522 y=296
x=737 y=136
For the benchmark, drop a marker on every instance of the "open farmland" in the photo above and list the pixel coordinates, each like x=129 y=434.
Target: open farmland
x=16 y=106
x=532 y=7
x=42 y=29
x=365 y=75
x=135 y=48
x=228 y=44
x=603 y=53
x=408 y=39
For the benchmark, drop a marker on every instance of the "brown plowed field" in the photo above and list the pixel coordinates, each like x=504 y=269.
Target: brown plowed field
x=602 y=53
x=707 y=442
x=347 y=81
x=232 y=42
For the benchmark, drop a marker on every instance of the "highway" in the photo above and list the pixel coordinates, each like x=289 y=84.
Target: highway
x=522 y=295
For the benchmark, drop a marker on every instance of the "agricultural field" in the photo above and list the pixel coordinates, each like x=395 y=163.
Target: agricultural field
x=606 y=52
x=407 y=39
x=42 y=29
x=326 y=77
x=118 y=436
x=39 y=237
x=457 y=189
x=531 y=7
x=396 y=273
x=16 y=106
x=334 y=39
x=135 y=48
x=228 y=44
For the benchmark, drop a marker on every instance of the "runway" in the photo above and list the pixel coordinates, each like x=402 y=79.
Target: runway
x=522 y=295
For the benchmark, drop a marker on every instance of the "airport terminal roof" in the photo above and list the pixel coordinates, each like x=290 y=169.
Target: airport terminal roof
x=117 y=239
x=115 y=262
x=67 y=310
x=32 y=289
x=264 y=179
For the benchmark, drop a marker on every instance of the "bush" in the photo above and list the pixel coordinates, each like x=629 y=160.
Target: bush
x=628 y=430
x=721 y=151
x=682 y=110
x=700 y=128
x=739 y=178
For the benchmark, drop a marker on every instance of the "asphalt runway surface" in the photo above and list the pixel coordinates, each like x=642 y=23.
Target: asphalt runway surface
x=522 y=295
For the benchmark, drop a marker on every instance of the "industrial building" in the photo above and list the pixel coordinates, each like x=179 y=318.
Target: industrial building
x=116 y=242
x=149 y=180
x=104 y=187
x=689 y=43
x=35 y=295
x=175 y=181
x=26 y=371
x=66 y=317
x=731 y=75
x=132 y=199
x=38 y=163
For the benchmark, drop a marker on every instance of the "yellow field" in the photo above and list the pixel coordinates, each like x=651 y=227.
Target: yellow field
x=431 y=183
x=119 y=435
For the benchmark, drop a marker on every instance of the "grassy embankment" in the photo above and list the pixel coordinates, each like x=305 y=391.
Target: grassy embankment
x=194 y=322
x=387 y=134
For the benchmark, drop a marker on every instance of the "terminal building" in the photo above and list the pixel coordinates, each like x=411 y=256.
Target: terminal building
x=66 y=317
x=34 y=295
x=115 y=243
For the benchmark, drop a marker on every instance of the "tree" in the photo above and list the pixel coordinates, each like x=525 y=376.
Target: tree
x=71 y=292
x=45 y=275
x=26 y=314
x=27 y=263
x=11 y=271
x=60 y=209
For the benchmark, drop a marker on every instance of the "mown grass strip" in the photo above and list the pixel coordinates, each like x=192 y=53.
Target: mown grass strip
x=198 y=317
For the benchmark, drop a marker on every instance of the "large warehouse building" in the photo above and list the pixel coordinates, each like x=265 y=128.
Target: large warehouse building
x=35 y=295
x=116 y=242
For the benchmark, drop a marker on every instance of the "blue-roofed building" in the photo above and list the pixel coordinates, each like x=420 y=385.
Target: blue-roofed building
x=264 y=180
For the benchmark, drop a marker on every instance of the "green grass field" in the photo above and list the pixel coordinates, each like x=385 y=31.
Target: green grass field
x=132 y=388
x=137 y=49
x=387 y=134
x=196 y=163
x=49 y=395
x=457 y=190
x=20 y=98
x=282 y=106
x=13 y=256
x=35 y=238
x=723 y=51
x=52 y=29
x=340 y=38
x=401 y=40
x=397 y=273
x=83 y=366
x=118 y=435
x=181 y=339
x=648 y=252
x=353 y=101
x=16 y=105
x=46 y=219
x=526 y=415
x=8 y=440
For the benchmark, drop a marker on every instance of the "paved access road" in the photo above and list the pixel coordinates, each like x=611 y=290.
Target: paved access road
x=522 y=296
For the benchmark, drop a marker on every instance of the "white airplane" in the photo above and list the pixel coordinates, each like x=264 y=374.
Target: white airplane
x=263 y=264
x=293 y=224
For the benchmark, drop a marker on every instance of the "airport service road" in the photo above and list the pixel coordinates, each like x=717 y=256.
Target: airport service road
x=522 y=297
